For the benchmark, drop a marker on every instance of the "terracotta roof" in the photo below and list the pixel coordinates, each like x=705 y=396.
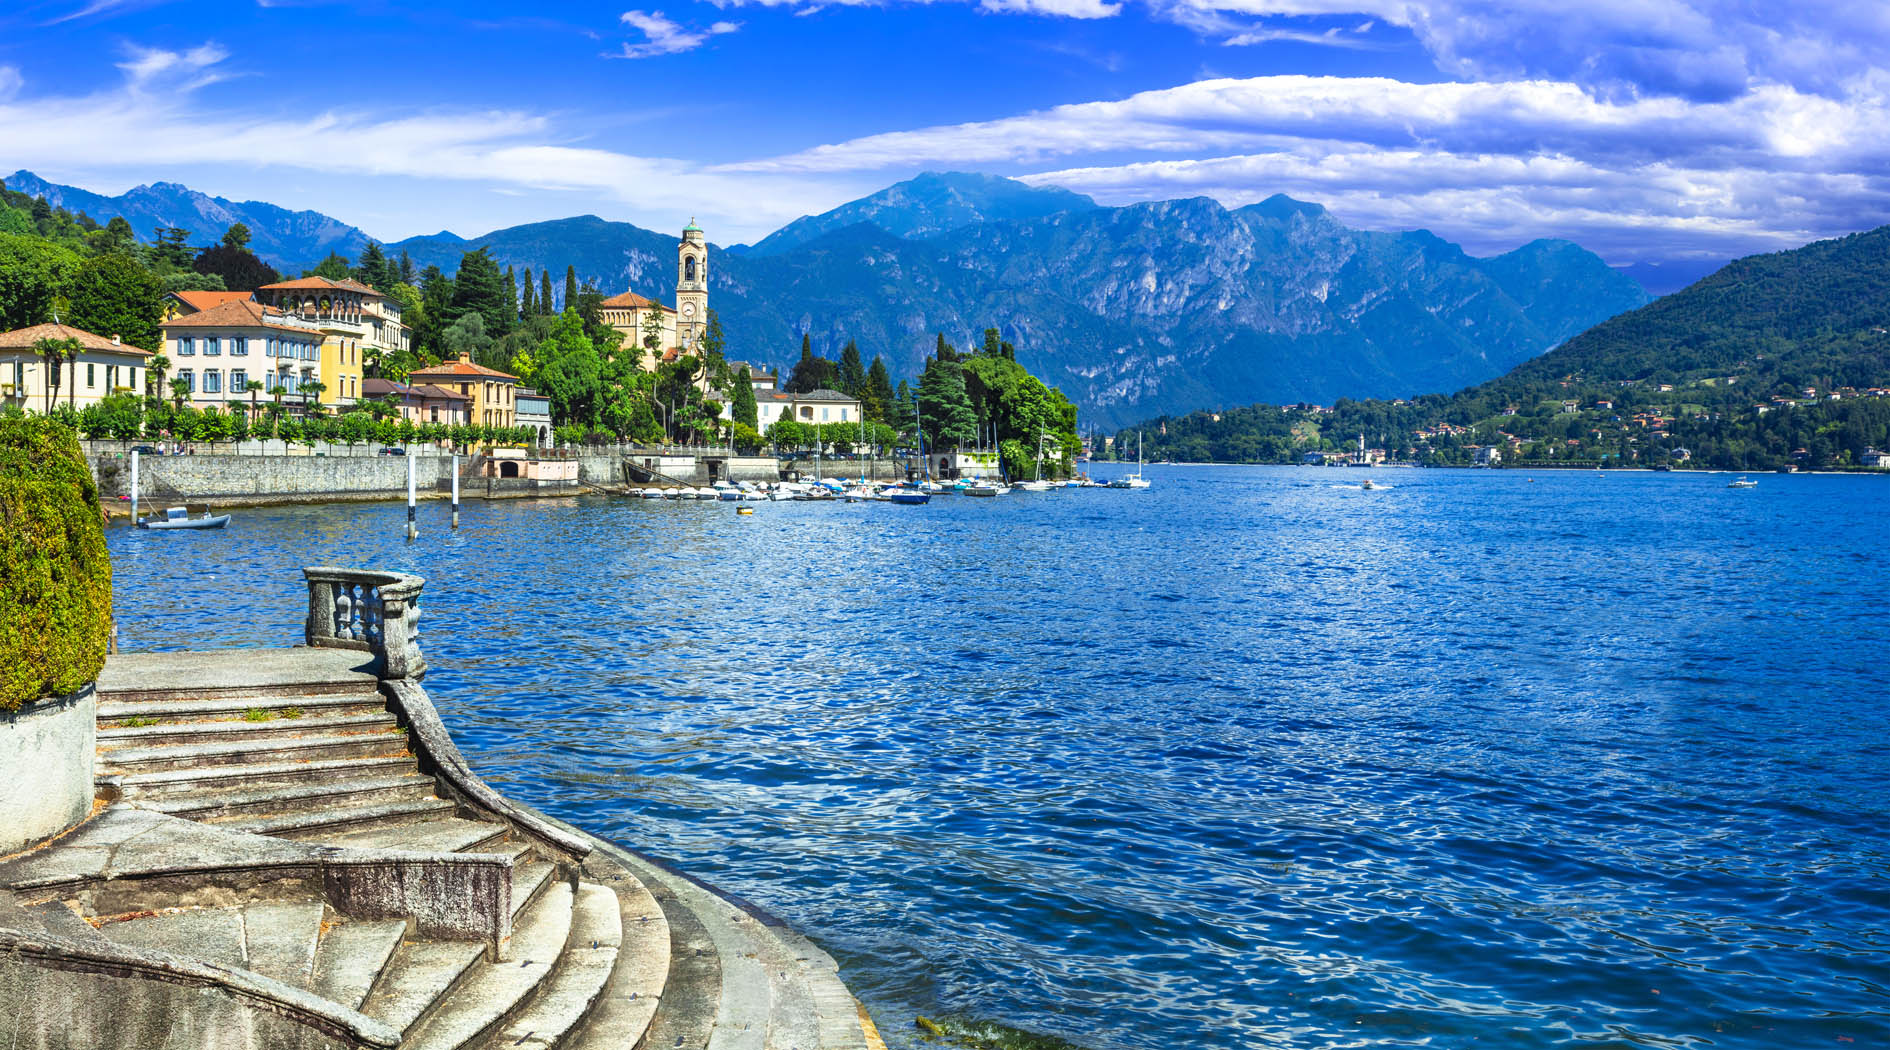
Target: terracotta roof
x=24 y=338
x=237 y=313
x=320 y=284
x=378 y=388
x=459 y=369
x=635 y=301
x=200 y=301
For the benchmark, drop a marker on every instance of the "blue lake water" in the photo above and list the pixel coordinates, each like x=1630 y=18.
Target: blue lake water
x=1252 y=758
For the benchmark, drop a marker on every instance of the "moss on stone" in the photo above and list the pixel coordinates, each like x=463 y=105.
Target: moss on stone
x=973 y=1034
x=55 y=572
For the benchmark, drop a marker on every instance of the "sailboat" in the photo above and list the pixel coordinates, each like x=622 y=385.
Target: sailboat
x=915 y=495
x=1135 y=480
x=1038 y=484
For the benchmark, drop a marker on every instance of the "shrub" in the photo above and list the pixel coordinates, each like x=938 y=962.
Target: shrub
x=56 y=589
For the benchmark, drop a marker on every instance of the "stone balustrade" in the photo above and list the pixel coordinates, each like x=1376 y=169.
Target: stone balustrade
x=373 y=612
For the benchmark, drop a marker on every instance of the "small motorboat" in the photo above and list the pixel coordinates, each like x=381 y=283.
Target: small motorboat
x=1367 y=485
x=179 y=518
x=982 y=489
x=909 y=497
x=1742 y=482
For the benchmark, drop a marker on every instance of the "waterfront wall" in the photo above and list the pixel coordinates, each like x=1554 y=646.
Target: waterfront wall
x=46 y=751
x=239 y=478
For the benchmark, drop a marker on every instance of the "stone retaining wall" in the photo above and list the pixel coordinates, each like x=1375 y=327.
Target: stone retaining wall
x=46 y=751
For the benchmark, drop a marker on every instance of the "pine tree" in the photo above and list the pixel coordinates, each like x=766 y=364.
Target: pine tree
x=479 y=286
x=406 y=268
x=877 y=403
x=510 y=296
x=528 y=300
x=945 y=408
x=373 y=270
x=852 y=375
x=570 y=287
x=336 y=268
x=544 y=292
x=993 y=344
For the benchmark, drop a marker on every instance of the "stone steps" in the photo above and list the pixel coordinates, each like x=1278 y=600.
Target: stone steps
x=211 y=806
x=620 y=1016
x=450 y=835
x=280 y=939
x=244 y=729
x=249 y=752
x=495 y=991
x=421 y=972
x=584 y=967
x=195 y=709
x=351 y=958
x=316 y=822
x=209 y=780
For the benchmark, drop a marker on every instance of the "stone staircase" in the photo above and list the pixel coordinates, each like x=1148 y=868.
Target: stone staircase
x=607 y=950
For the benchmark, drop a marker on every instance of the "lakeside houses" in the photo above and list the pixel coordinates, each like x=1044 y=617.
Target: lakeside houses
x=218 y=352
x=665 y=333
x=814 y=407
x=425 y=403
x=104 y=366
x=354 y=322
x=533 y=410
x=493 y=393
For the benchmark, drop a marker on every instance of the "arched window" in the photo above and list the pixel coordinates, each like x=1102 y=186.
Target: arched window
x=689 y=268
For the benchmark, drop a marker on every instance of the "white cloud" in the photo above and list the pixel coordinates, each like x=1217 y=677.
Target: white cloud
x=664 y=37
x=172 y=70
x=10 y=82
x=1059 y=8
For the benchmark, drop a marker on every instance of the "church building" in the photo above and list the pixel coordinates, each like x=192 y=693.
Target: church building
x=665 y=333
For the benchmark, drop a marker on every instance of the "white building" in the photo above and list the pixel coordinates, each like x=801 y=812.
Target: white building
x=814 y=407
x=104 y=367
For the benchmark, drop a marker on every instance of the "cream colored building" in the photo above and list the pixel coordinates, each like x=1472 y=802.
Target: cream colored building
x=683 y=325
x=104 y=367
x=221 y=350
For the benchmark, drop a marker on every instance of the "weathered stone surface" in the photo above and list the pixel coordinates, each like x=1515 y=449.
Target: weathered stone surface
x=45 y=768
x=583 y=968
x=351 y=957
x=248 y=672
x=494 y=990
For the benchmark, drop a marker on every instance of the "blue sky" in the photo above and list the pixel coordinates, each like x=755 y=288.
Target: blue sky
x=1644 y=129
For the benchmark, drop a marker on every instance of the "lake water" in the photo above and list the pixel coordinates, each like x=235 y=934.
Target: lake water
x=1253 y=758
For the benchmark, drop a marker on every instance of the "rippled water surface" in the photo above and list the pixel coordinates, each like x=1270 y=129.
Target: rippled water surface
x=1252 y=758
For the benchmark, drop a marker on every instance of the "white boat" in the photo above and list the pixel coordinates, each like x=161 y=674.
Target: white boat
x=179 y=518
x=651 y=494
x=1742 y=483
x=1135 y=480
x=706 y=494
x=1367 y=485
x=1038 y=486
x=982 y=488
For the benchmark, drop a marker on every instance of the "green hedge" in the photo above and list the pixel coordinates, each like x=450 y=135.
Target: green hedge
x=55 y=573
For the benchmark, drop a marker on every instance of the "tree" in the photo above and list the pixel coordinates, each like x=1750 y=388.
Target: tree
x=118 y=236
x=375 y=271
x=113 y=295
x=237 y=236
x=192 y=281
x=335 y=268
x=570 y=285
x=32 y=274
x=508 y=298
x=811 y=373
x=528 y=298
x=572 y=376
x=252 y=388
x=170 y=247
x=238 y=268
x=466 y=336
x=54 y=353
x=154 y=376
x=479 y=286
x=944 y=409
x=180 y=389
x=436 y=297
x=544 y=292
x=653 y=331
x=852 y=373
x=877 y=401
x=742 y=407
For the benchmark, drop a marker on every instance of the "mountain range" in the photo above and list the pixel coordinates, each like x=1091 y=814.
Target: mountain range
x=1133 y=311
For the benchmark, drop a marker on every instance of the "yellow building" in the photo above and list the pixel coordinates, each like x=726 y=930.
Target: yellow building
x=493 y=393
x=356 y=321
x=104 y=367
x=683 y=325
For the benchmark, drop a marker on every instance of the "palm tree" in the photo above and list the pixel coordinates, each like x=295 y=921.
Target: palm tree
x=180 y=389
x=155 y=380
x=315 y=390
x=252 y=388
x=55 y=353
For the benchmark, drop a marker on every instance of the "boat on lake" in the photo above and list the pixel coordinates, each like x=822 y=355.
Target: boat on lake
x=1135 y=480
x=1742 y=482
x=179 y=518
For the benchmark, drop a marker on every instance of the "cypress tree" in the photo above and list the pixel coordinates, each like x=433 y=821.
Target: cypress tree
x=570 y=287
x=544 y=292
x=406 y=268
x=852 y=371
x=878 y=400
x=527 y=303
x=742 y=408
x=510 y=297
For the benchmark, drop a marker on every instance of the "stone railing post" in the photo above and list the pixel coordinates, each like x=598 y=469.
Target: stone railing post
x=367 y=611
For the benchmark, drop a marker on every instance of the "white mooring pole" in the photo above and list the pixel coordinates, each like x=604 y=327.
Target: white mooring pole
x=455 y=492
x=134 y=487
x=413 y=528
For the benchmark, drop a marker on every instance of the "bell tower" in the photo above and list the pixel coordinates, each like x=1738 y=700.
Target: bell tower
x=692 y=287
